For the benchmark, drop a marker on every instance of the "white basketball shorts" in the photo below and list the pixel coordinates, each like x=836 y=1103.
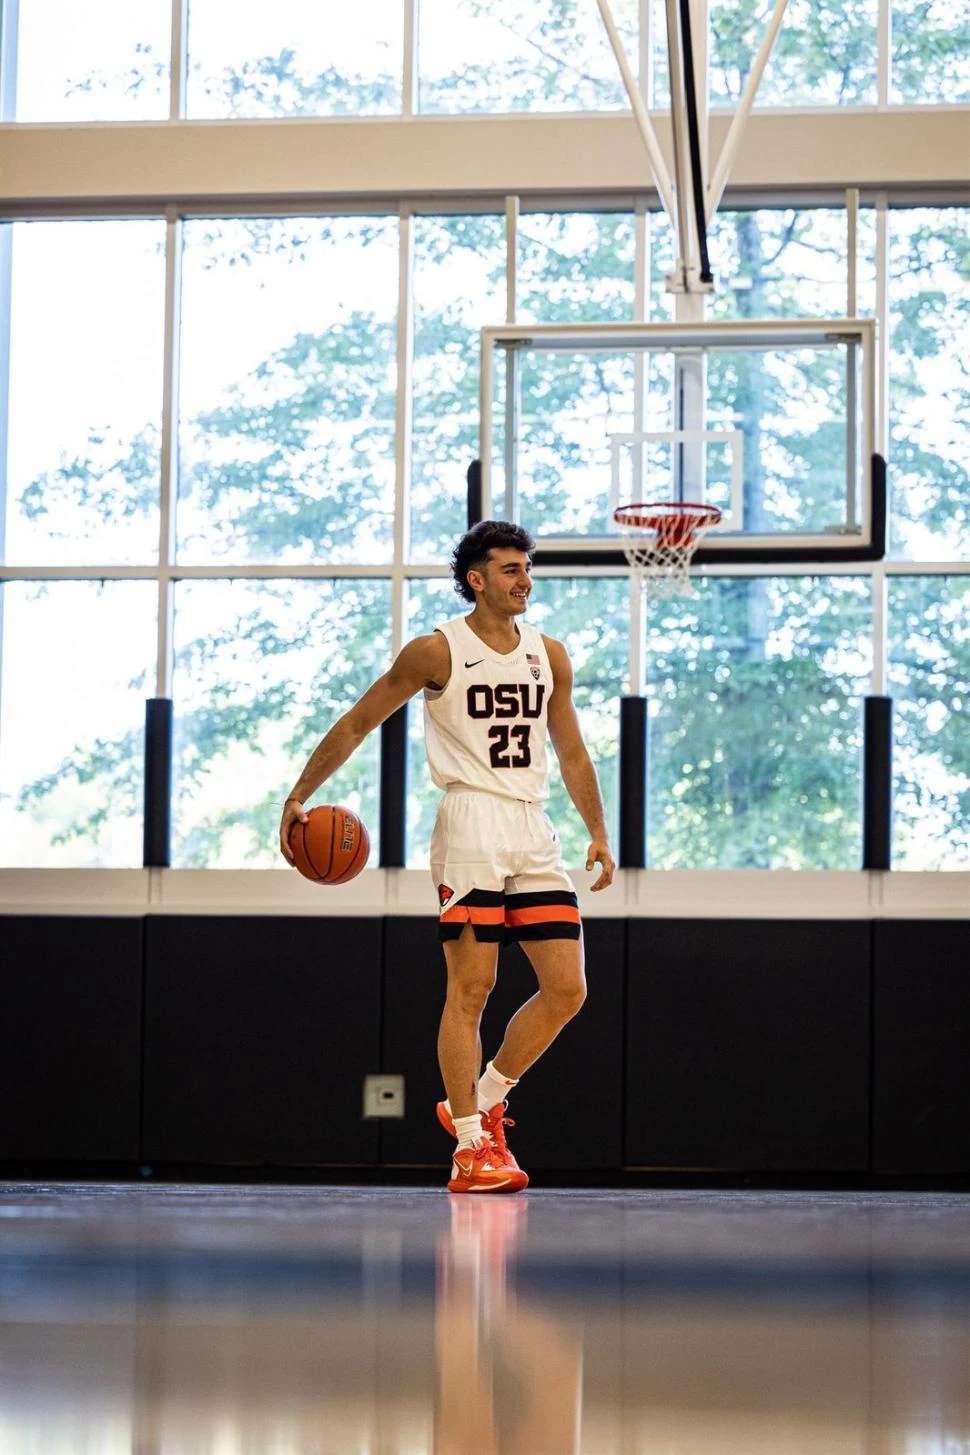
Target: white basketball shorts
x=497 y=865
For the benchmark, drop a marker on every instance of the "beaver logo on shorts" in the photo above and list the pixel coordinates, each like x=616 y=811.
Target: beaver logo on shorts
x=444 y=894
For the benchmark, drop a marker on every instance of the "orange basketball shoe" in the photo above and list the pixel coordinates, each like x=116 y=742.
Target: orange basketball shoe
x=476 y=1169
x=444 y=1117
x=494 y=1123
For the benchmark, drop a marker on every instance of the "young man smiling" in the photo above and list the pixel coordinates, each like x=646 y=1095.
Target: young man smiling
x=494 y=689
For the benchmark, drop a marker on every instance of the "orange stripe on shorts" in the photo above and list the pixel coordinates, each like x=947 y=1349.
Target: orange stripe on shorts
x=474 y=914
x=543 y=914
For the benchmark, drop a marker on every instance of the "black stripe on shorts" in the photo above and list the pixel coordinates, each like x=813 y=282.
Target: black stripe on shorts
x=544 y=896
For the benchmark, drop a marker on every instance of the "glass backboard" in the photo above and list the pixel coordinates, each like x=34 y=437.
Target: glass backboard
x=774 y=422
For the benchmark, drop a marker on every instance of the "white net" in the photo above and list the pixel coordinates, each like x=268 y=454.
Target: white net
x=660 y=540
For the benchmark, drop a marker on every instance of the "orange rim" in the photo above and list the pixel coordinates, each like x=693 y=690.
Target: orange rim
x=675 y=521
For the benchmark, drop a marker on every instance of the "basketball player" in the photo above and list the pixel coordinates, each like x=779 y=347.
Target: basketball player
x=493 y=687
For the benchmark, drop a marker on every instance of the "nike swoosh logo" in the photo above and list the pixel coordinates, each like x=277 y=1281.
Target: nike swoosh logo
x=490 y=1186
x=475 y=664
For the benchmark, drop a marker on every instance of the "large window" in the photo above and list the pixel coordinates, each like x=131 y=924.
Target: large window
x=103 y=61
x=85 y=392
x=825 y=53
x=429 y=604
x=287 y=390
x=578 y=268
x=310 y=493
x=262 y=668
x=930 y=684
x=755 y=689
x=930 y=50
x=784 y=263
x=929 y=400
x=458 y=285
x=519 y=55
x=591 y=615
x=109 y=60
x=78 y=661
x=247 y=58
x=575 y=267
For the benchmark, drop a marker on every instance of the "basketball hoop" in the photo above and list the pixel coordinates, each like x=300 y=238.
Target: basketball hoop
x=660 y=540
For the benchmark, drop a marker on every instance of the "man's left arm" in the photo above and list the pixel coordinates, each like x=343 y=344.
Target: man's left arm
x=578 y=772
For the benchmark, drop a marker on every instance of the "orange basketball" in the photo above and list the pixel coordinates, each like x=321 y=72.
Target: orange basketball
x=332 y=847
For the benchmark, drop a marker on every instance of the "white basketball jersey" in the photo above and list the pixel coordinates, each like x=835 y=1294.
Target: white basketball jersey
x=487 y=728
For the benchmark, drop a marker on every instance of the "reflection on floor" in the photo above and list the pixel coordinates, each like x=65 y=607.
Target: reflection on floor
x=176 y=1320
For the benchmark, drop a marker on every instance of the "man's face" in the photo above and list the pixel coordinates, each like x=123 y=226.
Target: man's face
x=505 y=581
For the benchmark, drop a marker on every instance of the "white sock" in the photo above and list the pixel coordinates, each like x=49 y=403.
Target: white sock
x=494 y=1087
x=469 y=1132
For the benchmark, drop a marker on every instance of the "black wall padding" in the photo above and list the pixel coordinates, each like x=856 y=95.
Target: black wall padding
x=747 y=1045
x=877 y=548
x=568 y=1108
x=394 y=789
x=258 y=1034
x=157 y=844
x=473 y=481
x=877 y=783
x=633 y=782
x=921 y=1036
x=70 y=1038
x=744 y=1044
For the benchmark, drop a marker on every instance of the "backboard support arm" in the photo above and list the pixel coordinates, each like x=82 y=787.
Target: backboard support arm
x=658 y=167
x=732 y=141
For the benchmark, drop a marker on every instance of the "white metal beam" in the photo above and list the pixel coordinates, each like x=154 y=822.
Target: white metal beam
x=645 y=51
x=851 y=379
x=735 y=332
x=168 y=483
x=882 y=325
x=402 y=429
x=884 y=38
x=658 y=167
x=422 y=570
x=512 y=383
x=511 y=258
x=321 y=163
x=409 y=74
x=9 y=42
x=179 y=59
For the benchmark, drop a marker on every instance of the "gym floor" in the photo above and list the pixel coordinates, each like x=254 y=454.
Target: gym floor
x=170 y=1319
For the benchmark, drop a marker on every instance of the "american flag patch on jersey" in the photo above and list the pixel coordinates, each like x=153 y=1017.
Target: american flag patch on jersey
x=533 y=662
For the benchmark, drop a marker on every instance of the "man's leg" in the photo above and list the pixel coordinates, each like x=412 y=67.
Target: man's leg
x=559 y=968
x=471 y=975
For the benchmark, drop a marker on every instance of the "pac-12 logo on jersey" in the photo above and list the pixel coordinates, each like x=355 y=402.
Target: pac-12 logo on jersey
x=533 y=662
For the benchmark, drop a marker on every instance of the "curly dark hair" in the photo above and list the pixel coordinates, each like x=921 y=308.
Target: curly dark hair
x=472 y=550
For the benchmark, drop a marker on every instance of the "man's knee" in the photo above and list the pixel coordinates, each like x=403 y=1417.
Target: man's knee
x=468 y=993
x=472 y=968
x=567 y=999
x=577 y=998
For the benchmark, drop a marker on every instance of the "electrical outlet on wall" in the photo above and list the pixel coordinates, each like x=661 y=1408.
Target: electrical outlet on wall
x=383 y=1096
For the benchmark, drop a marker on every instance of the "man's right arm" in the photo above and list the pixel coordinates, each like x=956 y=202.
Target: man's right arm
x=425 y=662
